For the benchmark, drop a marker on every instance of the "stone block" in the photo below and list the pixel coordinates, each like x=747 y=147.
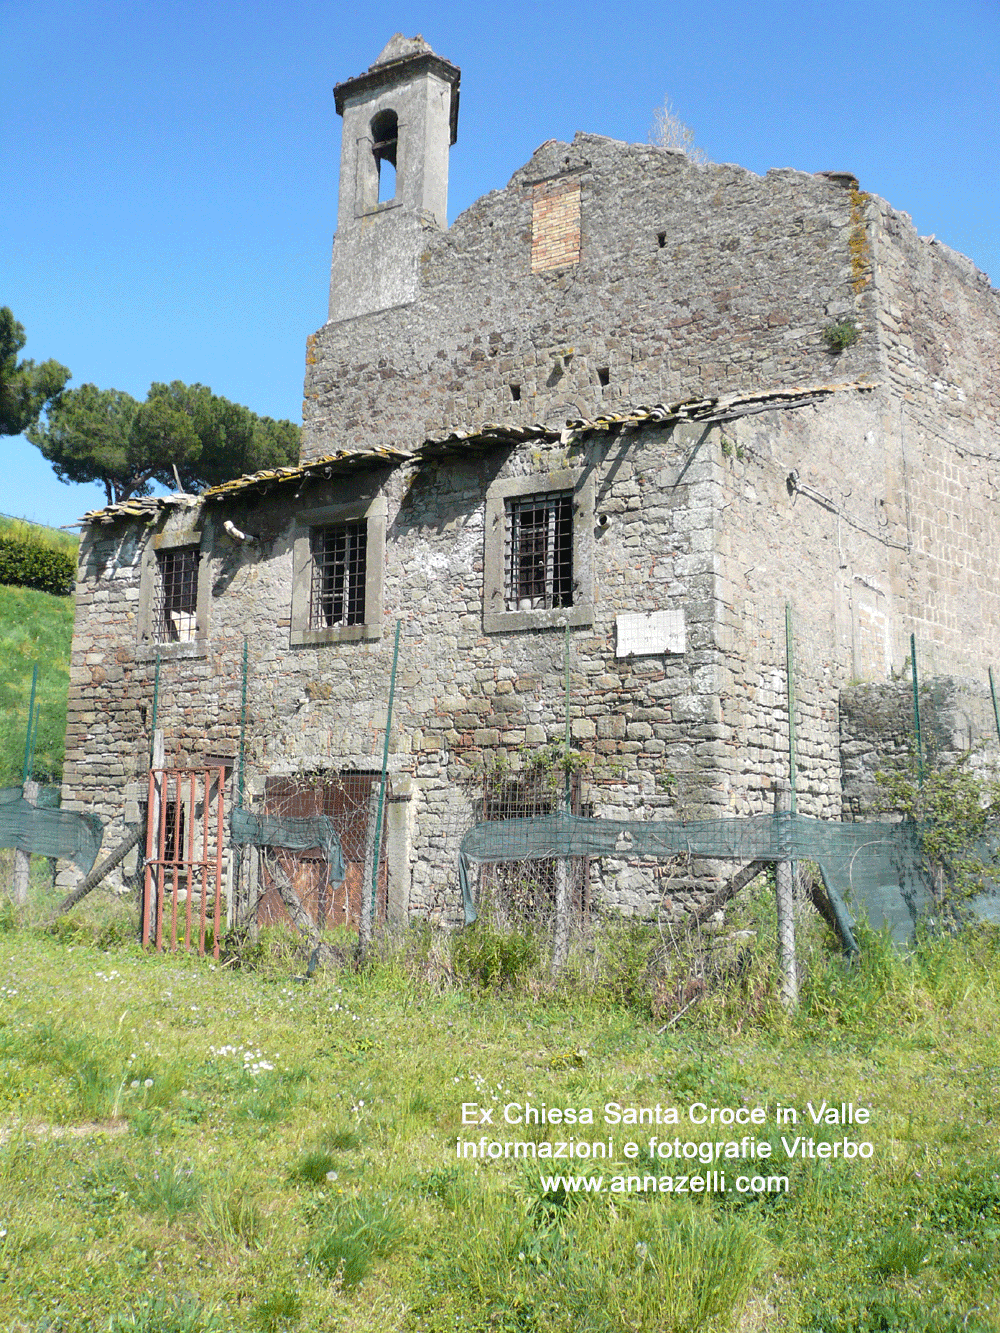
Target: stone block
x=611 y=725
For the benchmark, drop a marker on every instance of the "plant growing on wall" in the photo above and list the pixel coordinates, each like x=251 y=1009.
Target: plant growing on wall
x=843 y=333
x=554 y=763
x=550 y=764
x=669 y=131
x=859 y=245
x=956 y=811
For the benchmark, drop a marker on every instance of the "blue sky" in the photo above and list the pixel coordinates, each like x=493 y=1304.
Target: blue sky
x=170 y=170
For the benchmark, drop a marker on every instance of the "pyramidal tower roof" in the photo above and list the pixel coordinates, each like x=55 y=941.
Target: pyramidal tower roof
x=399 y=47
x=402 y=59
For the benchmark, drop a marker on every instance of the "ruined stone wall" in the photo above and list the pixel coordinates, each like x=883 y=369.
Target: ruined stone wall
x=689 y=280
x=604 y=277
x=692 y=519
x=939 y=323
x=812 y=515
x=112 y=685
x=872 y=514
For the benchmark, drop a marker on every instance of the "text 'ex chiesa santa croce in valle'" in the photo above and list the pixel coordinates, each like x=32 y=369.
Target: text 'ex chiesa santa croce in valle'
x=585 y=445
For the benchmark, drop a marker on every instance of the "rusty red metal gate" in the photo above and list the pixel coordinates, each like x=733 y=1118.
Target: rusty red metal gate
x=184 y=858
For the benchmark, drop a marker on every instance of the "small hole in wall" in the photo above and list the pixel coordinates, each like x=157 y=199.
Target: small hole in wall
x=661 y=239
x=604 y=377
x=515 y=392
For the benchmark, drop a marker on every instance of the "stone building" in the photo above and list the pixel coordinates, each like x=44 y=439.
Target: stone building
x=652 y=401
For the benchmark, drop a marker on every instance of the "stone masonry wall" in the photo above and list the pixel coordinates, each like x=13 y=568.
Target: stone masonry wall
x=877 y=732
x=690 y=280
x=939 y=329
x=461 y=695
x=801 y=521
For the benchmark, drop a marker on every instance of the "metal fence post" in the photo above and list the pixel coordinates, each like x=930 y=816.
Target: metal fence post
x=916 y=709
x=562 y=905
x=785 y=899
x=22 y=860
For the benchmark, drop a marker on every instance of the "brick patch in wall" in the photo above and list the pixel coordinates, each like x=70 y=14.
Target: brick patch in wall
x=555 y=227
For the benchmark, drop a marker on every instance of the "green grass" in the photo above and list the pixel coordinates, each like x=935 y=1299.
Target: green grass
x=34 y=627
x=185 y=1146
x=54 y=537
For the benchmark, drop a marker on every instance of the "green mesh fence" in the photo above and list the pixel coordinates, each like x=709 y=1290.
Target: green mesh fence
x=45 y=830
x=986 y=906
x=293 y=833
x=869 y=869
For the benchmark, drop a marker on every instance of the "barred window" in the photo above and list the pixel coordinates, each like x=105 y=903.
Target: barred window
x=176 y=595
x=337 y=585
x=538 y=551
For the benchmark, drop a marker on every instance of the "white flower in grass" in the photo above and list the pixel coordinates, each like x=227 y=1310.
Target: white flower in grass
x=147 y=1083
x=331 y=1176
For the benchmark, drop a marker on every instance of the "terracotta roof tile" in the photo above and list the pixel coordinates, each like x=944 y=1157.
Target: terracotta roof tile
x=344 y=460
x=707 y=409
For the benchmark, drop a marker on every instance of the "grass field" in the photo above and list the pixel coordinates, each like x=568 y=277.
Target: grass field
x=187 y=1146
x=56 y=537
x=34 y=627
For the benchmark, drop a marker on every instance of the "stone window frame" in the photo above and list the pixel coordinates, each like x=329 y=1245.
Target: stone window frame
x=149 y=590
x=371 y=512
x=496 y=618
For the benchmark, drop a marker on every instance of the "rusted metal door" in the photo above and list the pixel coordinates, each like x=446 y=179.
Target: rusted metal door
x=182 y=890
x=350 y=800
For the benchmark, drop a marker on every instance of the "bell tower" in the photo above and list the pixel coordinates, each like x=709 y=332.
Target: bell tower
x=400 y=119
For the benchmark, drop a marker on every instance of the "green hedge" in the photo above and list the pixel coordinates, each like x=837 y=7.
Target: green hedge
x=32 y=564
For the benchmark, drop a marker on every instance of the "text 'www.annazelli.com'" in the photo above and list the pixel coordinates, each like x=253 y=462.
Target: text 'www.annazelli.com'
x=712 y=1182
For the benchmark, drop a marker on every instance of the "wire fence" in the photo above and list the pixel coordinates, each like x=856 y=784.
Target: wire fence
x=315 y=841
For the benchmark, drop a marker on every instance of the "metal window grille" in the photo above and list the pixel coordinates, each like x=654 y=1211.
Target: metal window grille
x=177 y=595
x=337 y=588
x=538 y=551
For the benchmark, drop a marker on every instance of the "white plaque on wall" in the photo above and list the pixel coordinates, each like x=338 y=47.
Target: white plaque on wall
x=650 y=632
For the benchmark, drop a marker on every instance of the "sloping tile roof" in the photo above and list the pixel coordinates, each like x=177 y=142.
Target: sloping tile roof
x=144 y=508
x=344 y=460
x=706 y=409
